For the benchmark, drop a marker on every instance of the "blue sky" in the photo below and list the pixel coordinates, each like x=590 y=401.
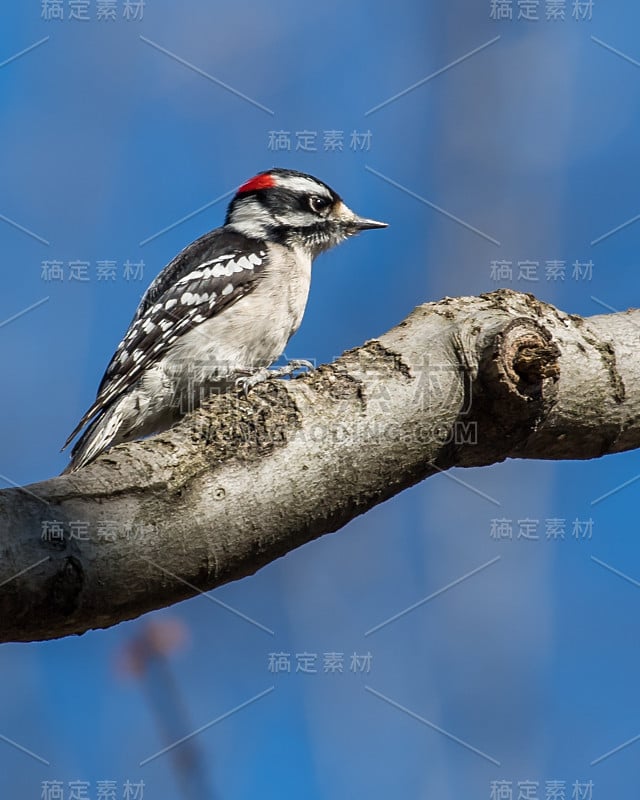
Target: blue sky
x=511 y=144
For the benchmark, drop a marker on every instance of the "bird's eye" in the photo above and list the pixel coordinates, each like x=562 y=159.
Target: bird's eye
x=318 y=204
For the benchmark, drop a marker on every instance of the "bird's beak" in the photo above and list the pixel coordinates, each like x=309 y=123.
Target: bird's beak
x=354 y=223
x=363 y=224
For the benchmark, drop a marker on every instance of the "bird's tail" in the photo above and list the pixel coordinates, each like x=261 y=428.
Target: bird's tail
x=101 y=434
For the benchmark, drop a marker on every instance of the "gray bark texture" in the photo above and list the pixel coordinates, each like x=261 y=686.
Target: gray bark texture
x=463 y=382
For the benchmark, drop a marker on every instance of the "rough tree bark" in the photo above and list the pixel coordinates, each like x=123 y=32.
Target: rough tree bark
x=463 y=382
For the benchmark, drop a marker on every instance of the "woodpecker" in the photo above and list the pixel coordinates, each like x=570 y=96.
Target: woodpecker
x=221 y=312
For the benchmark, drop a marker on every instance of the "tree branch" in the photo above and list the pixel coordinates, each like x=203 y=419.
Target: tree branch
x=463 y=382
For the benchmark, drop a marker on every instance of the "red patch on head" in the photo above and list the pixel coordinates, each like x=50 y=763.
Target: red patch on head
x=264 y=181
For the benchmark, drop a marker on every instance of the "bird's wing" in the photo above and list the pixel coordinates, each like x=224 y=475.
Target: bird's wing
x=210 y=275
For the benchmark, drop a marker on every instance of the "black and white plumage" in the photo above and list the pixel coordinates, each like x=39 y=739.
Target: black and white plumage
x=224 y=308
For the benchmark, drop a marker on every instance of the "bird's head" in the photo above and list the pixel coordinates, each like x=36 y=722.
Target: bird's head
x=294 y=209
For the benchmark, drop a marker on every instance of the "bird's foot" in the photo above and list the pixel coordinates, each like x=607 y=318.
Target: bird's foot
x=245 y=384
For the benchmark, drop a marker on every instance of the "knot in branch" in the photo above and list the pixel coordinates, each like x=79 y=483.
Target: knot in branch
x=521 y=362
x=518 y=378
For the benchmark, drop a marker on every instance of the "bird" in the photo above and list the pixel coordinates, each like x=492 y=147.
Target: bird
x=220 y=313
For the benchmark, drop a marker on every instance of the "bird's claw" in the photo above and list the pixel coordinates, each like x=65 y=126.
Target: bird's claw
x=246 y=383
x=295 y=364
